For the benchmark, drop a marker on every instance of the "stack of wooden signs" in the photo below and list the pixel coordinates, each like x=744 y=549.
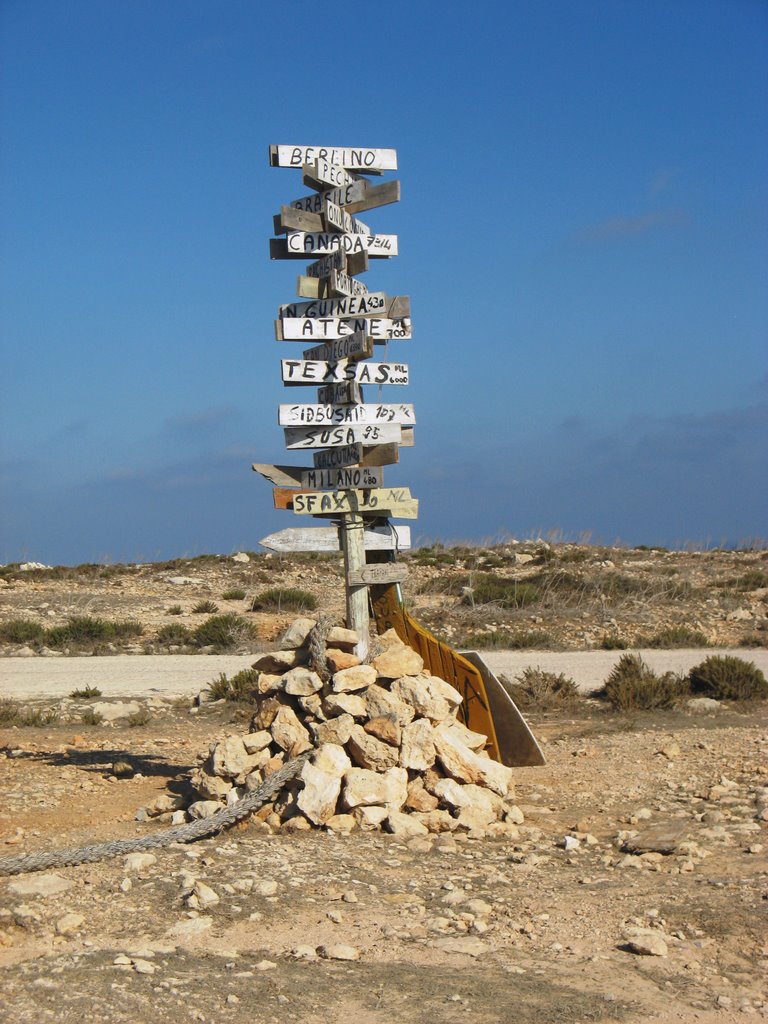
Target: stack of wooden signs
x=349 y=436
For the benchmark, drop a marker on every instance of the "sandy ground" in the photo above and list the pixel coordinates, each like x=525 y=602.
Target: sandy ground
x=183 y=675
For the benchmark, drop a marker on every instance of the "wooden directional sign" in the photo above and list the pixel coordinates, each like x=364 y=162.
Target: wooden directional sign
x=354 y=477
x=374 y=196
x=322 y=415
x=344 y=455
x=354 y=192
x=383 y=572
x=353 y=158
x=309 y=503
x=356 y=263
x=331 y=328
x=355 y=346
x=336 y=285
x=340 y=394
x=297 y=438
x=368 y=304
x=335 y=218
x=322 y=174
x=320 y=371
x=300 y=244
x=326 y=538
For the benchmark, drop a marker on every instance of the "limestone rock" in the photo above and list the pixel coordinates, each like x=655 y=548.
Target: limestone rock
x=369 y=819
x=473 y=740
x=385 y=728
x=139 y=861
x=69 y=924
x=463 y=764
x=436 y=821
x=338 y=636
x=365 y=787
x=331 y=758
x=342 y=823
x=335 y=730
x=229 y=757
x=418 y=798
x=417 y=750
x=368 y=752
x=419 y=692
x=339 y=951
x=400 y=824
x=312 y=705
x=297 y=633
x=203 y=808
x=475 y=817
x=112 y=712
x=356 y=678
x=268 y=683
x=645 y=941
x=317 y=800
x=289 y=733
x=338 y=659
x=398 y=661
x=256 y=741
x=266 y=713
x=280 y=661
x=380 y=701
x=48 y=884
x=344 y=704
x=301 y=682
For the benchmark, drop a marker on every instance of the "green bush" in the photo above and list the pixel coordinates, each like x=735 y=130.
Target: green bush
x=80 y=630
x=21 y=631
x=233 y=594
x=671 y=637
x=87 y=693
x=537 y=690
x=724 y=677
x=634 y=686
x=241 y=688
x=284 y=599
x=205 y=608
x=505 y=593
x=173 y=633
x=222 y=631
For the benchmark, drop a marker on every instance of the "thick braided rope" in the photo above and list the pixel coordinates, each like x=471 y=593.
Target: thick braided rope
x=179 y=834
x=316 y=645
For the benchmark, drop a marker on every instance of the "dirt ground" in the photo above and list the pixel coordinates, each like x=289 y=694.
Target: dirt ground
x=446 y=928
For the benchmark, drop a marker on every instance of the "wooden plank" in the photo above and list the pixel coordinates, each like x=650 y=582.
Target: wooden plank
x=384 y=572
x=342 y=284
x=354 y=192
x=406 y=438
x=355 y=346
x=297 y=372
x=381 y=455
x=355 y=158
x=357 y=262
x=323 y=415
x=351 y=532
x=375 y=195
x=290 y=219
x=353 y=477
x=369 y=304
x=337 y=458
x=299 y=438
x=345 y=393
x=336 y=285
x=300 y=244
x=333 y=328
x=322 y=175
x=309 y=503
x=335 y=218
x=326 y=538
x=354 y=263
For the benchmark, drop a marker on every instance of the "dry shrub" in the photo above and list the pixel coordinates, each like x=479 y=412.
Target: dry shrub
x=241 y=688
x=537 y=690
x=634 y=686
x=728 y=678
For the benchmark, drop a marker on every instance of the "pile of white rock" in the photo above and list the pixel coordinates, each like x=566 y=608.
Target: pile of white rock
x=389 y=750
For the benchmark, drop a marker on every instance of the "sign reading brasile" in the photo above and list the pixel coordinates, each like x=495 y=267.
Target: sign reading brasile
x=350 y=433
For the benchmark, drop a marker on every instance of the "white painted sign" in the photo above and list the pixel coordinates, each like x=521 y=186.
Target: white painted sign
x=383 y=572
x=340 y=394
x=326 y=538
x=323 y=266
x=293 y=415
x=316 y=243
x=335 y=219
x=330 y=328
x=369 y=304
x=354 y=158
x=342 y=196
x=350 y=478
x=336 y=458
x=342 y=284
x=308 y=503
x=320 y=371
x=354 y=346
x=297 y=438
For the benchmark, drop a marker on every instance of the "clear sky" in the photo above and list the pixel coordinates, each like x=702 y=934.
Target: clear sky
x=582 y=233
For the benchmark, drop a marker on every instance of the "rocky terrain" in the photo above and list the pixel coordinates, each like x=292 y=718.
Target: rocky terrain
x=536 y=595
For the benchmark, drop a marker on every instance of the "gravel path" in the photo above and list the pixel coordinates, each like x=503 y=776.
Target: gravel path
x=182 y=675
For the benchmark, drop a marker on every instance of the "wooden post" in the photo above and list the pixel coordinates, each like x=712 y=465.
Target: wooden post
x=353 y=546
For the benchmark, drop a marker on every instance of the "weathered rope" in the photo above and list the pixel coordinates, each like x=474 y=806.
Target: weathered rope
x=179 y=834
x=316 y=643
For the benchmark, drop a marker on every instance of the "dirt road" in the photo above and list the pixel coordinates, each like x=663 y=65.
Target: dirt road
x=182 y=675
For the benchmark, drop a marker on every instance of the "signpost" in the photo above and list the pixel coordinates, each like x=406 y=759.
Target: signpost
x=351 y=440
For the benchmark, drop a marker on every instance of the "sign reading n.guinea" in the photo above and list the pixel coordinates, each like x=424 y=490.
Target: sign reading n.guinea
x=368 y=304
x=290 y=415
x=321 y=371
x=353 y=158
x=297 y=438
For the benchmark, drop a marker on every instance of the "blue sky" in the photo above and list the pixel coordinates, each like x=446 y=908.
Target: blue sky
x=582 y=234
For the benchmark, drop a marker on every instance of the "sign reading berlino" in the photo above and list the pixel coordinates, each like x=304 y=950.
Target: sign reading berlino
x=351 y=429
